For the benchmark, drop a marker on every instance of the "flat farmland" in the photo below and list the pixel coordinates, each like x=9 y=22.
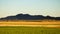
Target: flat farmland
x=28 y=30
x=29 y=27
x=31 y=23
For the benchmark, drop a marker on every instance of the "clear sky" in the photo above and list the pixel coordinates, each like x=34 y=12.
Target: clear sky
x=33 y=7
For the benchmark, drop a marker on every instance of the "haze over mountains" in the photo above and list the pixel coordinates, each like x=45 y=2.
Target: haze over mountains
x=29 y=17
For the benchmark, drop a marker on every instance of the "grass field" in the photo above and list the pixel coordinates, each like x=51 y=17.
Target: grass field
x=31 y=23
x=27 y=27
x=28 y=30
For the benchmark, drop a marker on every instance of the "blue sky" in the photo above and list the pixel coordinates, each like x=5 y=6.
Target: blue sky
x=33 y=7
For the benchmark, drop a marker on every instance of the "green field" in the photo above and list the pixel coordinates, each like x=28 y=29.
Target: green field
x=28 y=30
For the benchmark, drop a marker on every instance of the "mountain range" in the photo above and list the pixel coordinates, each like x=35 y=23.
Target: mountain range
x=29 y=17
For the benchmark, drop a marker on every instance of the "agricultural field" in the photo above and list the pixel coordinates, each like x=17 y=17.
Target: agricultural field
x=44 y=23
x=28 y=30
x=30 y=27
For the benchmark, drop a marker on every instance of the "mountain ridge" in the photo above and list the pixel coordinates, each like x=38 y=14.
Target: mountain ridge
x=29 y=17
